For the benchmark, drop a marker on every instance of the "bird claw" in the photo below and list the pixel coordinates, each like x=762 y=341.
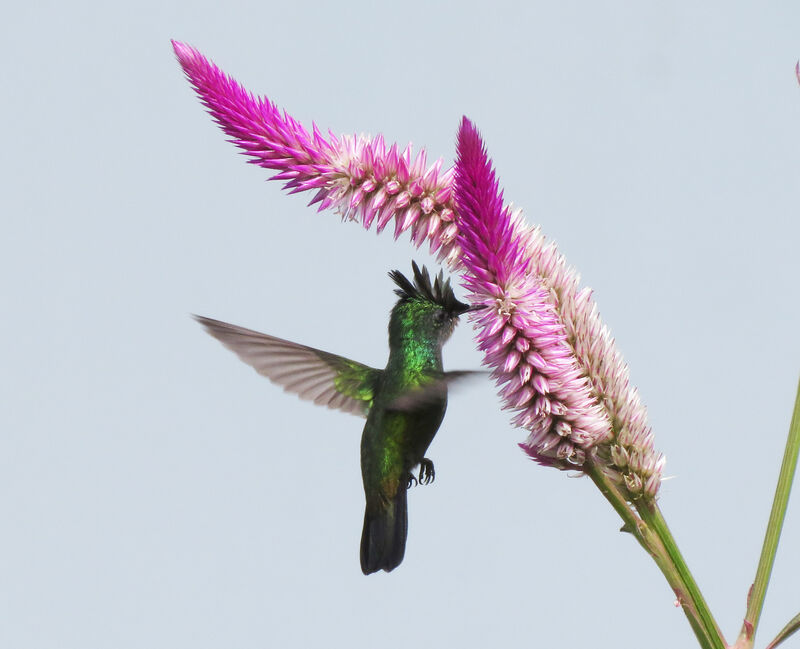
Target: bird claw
x=426 y=473
x=412 y=480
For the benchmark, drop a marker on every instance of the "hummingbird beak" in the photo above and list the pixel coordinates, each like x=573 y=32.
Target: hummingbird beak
x=460 y=308
x=465 y=308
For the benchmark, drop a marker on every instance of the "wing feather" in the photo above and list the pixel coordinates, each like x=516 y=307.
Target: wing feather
x=312 y=374
x=432 y=390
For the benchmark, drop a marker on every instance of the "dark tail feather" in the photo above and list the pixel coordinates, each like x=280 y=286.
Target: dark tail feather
x=383 y=541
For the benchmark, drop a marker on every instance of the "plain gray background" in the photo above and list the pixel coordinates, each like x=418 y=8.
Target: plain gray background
x=155 y=492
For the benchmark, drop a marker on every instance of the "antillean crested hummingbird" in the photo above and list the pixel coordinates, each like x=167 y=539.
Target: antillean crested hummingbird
x=404 y=403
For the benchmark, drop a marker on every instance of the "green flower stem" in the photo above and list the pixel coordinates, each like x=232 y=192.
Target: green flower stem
x=653 y=535
x=615 y=496
x=774 y=526
x=690 y=597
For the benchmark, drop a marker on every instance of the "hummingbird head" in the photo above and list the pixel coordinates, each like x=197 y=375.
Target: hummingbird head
x=426 y=310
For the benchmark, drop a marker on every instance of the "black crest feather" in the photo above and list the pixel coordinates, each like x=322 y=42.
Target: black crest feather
x=439 y=291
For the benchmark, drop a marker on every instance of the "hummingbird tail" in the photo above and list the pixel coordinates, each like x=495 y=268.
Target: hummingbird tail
x=383 y=540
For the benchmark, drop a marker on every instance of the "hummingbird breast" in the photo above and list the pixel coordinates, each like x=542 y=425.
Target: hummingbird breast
x=394 y=442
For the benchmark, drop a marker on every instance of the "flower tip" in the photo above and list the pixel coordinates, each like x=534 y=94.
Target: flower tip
x=472 y=159
x=185 y=53
x=179 y=48
x=469 y=138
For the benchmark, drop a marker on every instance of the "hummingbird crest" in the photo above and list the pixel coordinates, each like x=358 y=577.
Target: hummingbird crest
x=439 y=292
x=426 y=313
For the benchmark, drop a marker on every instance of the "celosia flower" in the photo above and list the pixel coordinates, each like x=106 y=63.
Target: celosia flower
x=556 y=361
x=542 y=335
x=358 y=176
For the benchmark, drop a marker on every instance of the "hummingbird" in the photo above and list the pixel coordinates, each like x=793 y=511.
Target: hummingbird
x=404 y=404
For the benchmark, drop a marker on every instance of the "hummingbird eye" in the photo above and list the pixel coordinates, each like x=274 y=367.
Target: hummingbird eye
x=439 y=317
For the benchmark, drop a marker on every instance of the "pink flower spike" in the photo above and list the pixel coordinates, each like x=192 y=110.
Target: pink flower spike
x=352 y=174
x=494 y=257
x=554 y=360
x=572 y=393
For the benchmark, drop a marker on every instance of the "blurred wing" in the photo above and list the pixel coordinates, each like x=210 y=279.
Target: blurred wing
x=326 y=379
x=433 y=390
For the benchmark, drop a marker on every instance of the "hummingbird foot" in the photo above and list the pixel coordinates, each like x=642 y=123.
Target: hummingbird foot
x=426 y=473
x=411 y=480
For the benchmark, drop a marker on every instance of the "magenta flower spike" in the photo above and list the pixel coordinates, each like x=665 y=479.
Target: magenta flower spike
x=556 y=362
x=357 y=176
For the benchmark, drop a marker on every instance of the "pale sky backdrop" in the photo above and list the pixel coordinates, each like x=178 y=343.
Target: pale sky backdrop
x=156 y=492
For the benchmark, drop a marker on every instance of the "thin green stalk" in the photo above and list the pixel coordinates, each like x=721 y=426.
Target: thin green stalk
x=691 y=600
x=759 y=589
x=791 y=627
